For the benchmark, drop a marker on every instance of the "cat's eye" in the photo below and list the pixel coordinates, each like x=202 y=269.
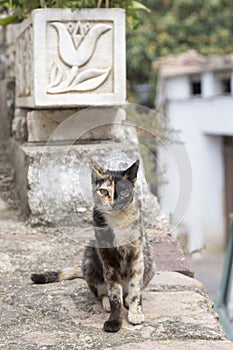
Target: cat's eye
x=124 y=193
x=104 y=192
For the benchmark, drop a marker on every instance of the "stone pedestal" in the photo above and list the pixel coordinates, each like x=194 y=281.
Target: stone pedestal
x=54 y=181
x=67 y=61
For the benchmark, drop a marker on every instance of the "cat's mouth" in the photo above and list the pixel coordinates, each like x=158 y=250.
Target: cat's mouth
x=115 y=210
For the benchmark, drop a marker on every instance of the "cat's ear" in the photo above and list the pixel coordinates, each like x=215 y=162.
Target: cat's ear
x=131 y=172
x=97 y=171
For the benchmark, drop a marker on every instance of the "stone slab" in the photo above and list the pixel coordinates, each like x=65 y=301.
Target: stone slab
x=174 y=259
x=174 y=281
x=71 y=58
x=194 y=310
x=176 y=345
x=75 y=125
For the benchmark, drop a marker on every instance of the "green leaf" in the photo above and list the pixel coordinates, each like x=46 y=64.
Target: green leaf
x=135 y=5
x=132 y=21
x=8 y=20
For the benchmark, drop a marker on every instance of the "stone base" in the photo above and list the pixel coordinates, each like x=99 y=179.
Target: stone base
x=54 y=182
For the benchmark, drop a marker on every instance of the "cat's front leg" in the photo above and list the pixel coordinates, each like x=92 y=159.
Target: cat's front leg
x=114 y=322
x=134 y=298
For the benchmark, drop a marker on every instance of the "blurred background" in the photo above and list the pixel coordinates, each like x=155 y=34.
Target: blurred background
x=180 y=61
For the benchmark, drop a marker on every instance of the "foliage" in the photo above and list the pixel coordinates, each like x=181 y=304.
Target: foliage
x=152 y=129
x=20 y=9
x=175 y=26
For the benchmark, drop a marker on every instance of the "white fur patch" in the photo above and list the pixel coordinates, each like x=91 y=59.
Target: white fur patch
x=136 y=317
x=106 y=304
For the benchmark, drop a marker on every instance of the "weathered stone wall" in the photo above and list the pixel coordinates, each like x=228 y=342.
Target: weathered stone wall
x=7 y=84
x=7 y=51
x=2 y=52
x=7 y=88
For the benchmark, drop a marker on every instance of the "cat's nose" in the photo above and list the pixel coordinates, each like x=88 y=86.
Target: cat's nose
x=115 y=195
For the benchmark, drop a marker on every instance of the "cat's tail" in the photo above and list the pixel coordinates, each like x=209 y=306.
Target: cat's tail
x=67 y=273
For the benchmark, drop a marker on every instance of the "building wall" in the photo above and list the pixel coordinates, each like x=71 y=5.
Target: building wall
x=202 y=123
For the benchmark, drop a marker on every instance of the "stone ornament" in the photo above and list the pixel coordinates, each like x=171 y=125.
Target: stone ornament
x=70 y=59
x=76 y=48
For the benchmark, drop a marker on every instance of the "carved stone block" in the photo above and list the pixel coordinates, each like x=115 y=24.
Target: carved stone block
x=71 y=59
x=54 y=182
x=88 y=124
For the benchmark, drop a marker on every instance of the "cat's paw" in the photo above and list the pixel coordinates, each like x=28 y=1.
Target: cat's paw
x=136 y=317
x=112 y=325
x=106 y=304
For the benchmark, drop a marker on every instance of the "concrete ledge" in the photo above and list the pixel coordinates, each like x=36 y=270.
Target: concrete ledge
x=178 y=313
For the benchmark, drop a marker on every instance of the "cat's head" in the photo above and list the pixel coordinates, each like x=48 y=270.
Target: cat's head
x=113 y=191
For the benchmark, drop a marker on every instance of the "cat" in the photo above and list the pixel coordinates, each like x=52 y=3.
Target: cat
x=119 y=263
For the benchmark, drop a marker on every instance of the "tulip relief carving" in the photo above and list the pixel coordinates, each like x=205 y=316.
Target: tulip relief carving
x=77 y=43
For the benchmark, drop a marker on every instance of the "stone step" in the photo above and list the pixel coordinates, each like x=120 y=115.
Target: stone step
x=176 y=345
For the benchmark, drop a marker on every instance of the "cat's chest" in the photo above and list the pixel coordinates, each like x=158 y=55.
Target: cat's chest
x=124 y=269
x=125 y=229
x=127 y=259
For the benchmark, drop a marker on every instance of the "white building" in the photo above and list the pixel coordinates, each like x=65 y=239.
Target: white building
x=196 y=94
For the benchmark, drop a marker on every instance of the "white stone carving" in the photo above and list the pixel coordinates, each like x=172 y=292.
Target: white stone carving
x=76 y=46
x=69 y=59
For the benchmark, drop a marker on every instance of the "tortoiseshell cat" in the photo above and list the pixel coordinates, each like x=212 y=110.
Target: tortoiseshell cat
x=119 y=264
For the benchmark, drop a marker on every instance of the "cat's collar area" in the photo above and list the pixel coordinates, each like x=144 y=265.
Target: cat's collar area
x=123 y=219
